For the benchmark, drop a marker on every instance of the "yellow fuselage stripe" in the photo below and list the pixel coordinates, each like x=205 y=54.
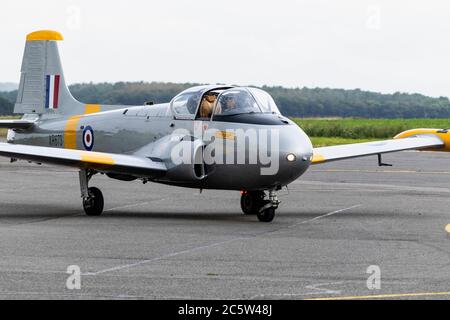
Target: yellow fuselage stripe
x=70 y=131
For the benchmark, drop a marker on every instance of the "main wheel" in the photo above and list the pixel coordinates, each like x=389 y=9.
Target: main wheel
x=266 y=215
x=252 y=201
x=93 y=205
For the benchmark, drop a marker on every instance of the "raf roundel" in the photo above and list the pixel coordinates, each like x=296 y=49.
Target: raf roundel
x=88 y=138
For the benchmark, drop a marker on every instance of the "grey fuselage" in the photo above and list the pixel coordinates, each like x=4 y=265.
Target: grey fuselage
x=148 y=131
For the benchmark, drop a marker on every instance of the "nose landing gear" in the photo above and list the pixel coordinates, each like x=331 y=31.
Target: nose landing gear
x=253 y=203
x=93 y=201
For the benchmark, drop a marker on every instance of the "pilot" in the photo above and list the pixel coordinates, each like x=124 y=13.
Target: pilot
x=230 y=104
x=207 y=105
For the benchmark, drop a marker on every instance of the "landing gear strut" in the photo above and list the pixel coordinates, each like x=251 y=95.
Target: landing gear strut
x=92 y=197
x=253 y=202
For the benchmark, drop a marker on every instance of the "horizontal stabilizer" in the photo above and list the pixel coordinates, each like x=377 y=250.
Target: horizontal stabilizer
x=16 y=124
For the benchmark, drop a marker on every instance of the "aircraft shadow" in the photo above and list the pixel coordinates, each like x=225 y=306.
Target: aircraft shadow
x=218 y=216
x=48 y=212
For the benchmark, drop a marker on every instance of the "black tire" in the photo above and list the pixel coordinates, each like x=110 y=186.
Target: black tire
x=251 y=202
x=266 y=215
x=93 y=206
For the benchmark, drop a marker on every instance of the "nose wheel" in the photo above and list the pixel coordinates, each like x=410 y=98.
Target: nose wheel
x=266 y=215
x=93 y=201
x=253 y=203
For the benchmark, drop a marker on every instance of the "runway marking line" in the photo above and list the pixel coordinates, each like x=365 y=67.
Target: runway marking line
x=174 y=254
x=127 y=206
x=127 y=266
x=133 y=205
x=327 y=214
x=383 y=296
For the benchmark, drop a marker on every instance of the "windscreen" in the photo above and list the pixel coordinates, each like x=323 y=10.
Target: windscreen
x=265 y=101
x=236 y=101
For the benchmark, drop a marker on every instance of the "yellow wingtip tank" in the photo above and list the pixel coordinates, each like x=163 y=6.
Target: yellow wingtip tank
x=443 y=134
x=43 y=35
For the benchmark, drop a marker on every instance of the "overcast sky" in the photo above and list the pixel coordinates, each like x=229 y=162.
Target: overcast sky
x=384 y=45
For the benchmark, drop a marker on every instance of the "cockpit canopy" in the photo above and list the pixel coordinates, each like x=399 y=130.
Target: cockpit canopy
x=265 y=101
x=205 y=101
x=244 y=100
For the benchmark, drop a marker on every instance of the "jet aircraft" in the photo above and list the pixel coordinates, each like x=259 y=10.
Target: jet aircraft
x=207 y=137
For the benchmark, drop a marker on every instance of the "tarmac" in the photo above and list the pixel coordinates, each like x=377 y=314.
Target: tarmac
x=344 y=230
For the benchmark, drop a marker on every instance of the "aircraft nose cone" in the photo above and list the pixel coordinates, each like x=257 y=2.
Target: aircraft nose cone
x=295 y=154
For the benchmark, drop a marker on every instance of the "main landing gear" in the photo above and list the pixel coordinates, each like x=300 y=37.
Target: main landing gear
x=253 y=203
x=92 y=197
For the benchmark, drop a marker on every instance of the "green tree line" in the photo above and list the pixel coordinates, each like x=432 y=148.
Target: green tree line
x=298 y=102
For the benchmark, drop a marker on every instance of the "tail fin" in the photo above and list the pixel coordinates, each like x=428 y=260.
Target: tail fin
x=42 y=86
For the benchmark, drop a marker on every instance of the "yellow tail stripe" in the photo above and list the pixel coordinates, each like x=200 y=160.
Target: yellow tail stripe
x=44 y=35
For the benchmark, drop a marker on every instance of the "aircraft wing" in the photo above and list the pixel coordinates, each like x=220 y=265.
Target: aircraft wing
x=103 y=162
x=347 y=151
x=16 y=124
